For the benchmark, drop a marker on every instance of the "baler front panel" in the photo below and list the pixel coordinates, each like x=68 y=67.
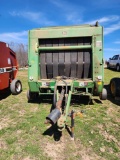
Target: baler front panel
x=66 y=51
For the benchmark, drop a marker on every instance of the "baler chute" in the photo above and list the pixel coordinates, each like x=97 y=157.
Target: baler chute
x=65 y=61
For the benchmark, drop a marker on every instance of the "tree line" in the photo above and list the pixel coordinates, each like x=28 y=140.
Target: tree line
x=21 y=51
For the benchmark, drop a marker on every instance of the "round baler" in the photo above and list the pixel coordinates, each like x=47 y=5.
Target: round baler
x=8 y=70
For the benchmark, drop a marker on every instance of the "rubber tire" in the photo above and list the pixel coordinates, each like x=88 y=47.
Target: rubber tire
x=115 y=87
x=118 y=67
x=16 y=87
x=28 y=95
x=31 y=95
x=103 y=95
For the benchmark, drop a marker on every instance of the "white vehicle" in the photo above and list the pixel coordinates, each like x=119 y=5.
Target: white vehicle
x=114 y=62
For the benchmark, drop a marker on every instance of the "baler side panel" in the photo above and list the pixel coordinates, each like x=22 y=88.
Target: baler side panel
x=98 y=65
x=33 y=59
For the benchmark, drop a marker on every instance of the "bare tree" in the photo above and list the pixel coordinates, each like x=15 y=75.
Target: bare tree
x=21 y=53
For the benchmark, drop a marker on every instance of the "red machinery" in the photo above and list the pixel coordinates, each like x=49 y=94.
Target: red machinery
x=8 y=70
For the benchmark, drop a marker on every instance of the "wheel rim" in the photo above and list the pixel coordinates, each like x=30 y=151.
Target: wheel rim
x=18 y=87
x=112 y=87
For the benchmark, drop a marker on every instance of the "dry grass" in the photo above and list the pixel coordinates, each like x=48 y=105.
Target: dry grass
x=23 y=135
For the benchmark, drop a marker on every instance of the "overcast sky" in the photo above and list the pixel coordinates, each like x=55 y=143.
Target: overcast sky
x=19 y=16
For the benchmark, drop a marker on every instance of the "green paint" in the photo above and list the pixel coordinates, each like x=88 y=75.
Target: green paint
x=84 y=31
x=63 y=48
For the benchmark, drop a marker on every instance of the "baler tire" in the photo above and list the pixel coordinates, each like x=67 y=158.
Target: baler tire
x=31 y=95
x=115 y=87
x=103 y=95
x=28 y=95
x=16 y=87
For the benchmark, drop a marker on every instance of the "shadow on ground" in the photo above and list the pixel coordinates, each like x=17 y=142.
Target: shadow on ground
x=42 y=99
x=53 y=131
x=5 y=93
x=75 y=100
x=112 y=69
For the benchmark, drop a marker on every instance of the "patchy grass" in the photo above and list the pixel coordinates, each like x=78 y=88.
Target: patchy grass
x=23 y=135
x=108 y=74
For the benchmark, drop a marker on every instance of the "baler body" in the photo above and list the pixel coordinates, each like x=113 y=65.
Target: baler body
x=8 y=66
x=74 y=52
